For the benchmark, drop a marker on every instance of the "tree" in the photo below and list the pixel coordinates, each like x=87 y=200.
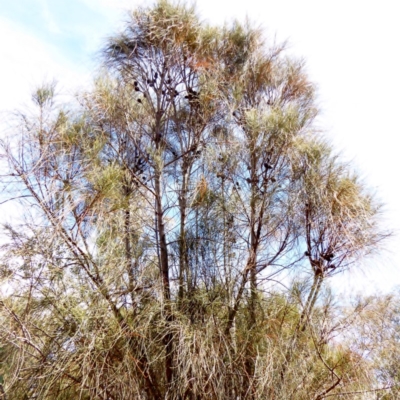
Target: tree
x=157 y=212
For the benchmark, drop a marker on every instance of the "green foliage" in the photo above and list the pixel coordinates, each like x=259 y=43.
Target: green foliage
x=44 y=95
x=161 y=217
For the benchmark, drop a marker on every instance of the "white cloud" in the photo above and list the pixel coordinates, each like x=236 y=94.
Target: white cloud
x=28 y=62
x=113 y=4
x=52 y=25
x=114 y=9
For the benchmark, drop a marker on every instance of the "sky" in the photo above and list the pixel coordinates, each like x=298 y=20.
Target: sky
x=351 y=52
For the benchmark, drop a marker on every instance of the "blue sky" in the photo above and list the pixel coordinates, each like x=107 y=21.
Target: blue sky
x=350 y=46
x=71 y=26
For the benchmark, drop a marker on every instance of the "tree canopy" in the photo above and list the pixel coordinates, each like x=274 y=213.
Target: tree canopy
x=180 y=223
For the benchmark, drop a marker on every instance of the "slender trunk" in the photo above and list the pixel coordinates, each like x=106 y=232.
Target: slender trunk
x=128 y=247
x=310 y=303
x=183 y=264
x=162 y=247
x=250 y=266
x=233 y=310
x=164 y=270
x=224 y=248
x=253 y=238
x=302 y=324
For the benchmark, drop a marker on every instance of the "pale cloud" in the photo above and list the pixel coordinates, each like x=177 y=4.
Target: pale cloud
x=28 y=62
x=51 y=23
x=113 y=4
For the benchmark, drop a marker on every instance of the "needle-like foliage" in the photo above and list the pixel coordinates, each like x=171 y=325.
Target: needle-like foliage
x=162 y=215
